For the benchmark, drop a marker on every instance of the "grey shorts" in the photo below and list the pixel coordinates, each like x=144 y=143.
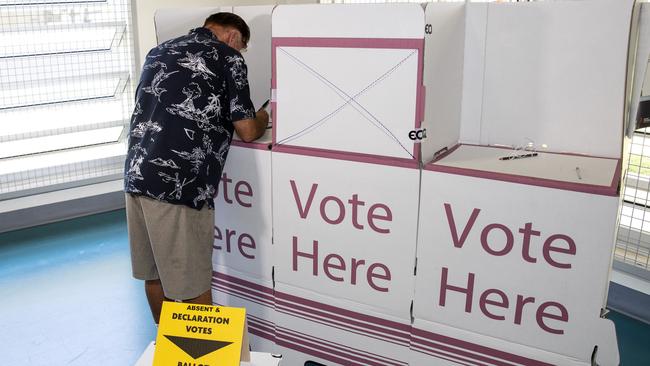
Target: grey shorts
x=172 y=243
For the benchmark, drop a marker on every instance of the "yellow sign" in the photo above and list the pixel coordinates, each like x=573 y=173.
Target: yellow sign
x=200 y=335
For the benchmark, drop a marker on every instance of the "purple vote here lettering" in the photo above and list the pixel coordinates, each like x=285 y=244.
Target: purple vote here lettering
x=497 y=239
x=377 y=216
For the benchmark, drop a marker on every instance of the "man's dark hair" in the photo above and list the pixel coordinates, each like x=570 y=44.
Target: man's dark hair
x=230 y=20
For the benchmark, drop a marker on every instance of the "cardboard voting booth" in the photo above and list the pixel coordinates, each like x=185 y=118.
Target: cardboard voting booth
x=242 y=256
x=515 y=242
x=442 y=189
x=345 y=180
x=528 y=263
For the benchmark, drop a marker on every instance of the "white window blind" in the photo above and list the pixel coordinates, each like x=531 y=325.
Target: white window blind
x=66 y=71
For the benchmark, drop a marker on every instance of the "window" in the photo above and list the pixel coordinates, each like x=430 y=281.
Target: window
x=633 y=240
x=66 y=70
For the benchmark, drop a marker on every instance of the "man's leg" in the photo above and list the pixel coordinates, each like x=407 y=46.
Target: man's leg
x=205 y=298
x=155 y=297
x=142 y=259
x=181 y=242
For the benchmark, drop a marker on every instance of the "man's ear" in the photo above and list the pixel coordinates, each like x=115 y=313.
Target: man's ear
x=232 y=38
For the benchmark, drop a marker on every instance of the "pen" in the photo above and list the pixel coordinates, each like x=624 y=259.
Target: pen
x=511 y=157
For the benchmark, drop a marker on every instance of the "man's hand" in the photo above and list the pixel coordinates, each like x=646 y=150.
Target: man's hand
x=253 y=128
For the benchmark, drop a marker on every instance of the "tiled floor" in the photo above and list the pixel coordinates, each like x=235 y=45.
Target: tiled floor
x=67 y=298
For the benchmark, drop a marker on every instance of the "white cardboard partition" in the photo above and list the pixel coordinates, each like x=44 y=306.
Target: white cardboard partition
x=641 y=75
x=344 y=229
x=332 y=331
x=527 y=263
x=243 y=253
x=344 y=81
x=444 y=42
x=473 y=70
x=553 y=72
x=258 y=53
x=243 y=223
x=349 y=21
x=175 y=22
x=544 y=72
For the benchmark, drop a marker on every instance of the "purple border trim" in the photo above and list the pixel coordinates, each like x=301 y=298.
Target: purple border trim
x=242 y=282
x=337 y=348
x=344 y=312
x=430 y=336
x=262 y=321
x=390 y=43
x=251 y=145
x=286 y=338
x=261 y=330
x=261 y=334
x=447 y=357
x=348 y=156
x=345 y=328
x=243 y=294
x=397 y=43
x=247 y=299
x=439 y=349
x=343 y=323
x=611 y=190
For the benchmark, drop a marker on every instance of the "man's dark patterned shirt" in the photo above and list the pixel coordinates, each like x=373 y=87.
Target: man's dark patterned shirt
x=191 y=90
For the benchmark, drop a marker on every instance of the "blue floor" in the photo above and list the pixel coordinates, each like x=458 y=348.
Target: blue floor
x=67 y=298
x=67 y=295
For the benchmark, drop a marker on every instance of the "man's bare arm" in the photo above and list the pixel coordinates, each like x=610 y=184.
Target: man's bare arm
x=253 y=128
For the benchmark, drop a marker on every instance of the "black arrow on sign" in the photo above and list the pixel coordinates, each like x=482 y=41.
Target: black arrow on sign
x=197 y=347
